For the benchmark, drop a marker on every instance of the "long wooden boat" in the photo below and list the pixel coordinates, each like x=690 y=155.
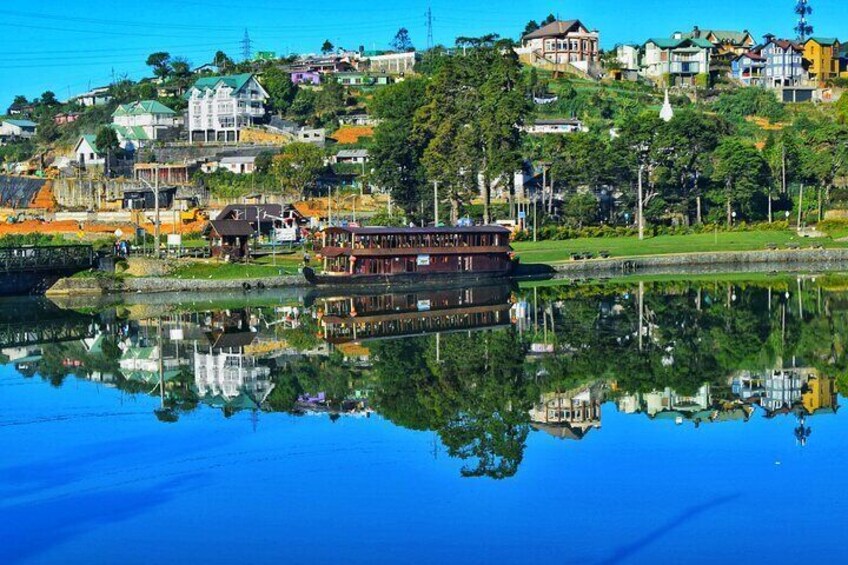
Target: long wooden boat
x=363 y=256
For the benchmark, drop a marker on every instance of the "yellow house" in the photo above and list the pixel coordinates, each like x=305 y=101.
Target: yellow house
x=822 y=56
x=819 y=394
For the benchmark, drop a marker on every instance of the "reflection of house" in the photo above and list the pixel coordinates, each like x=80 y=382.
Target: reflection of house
x=784 y=390
x=569 y=415
x=361 y=318
x=668 y=404
x=230 y=375
x=142 y=364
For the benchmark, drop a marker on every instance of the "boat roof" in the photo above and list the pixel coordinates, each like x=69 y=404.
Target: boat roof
x=416 y=231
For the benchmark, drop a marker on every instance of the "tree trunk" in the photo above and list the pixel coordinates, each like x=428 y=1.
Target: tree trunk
x=729 y=208
x=454 y=210
x=487 y=198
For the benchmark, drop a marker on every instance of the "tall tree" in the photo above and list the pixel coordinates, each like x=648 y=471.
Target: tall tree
x=280 y=88
x=395 y=155
x=160 y=62
x=297 y=168
x=503 y=110
x=327 y=47
x=743 y=175
x=401 y=41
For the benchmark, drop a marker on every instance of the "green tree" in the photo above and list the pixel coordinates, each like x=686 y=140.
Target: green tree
x=48 y=98
x=280 y=87
x=401 y=41
x=181 y=68
x=395 y=154
x=503 y=109
x=160 y=62
x=223 y=62
x=297 y=168
x=327 y=47
x=743 y=174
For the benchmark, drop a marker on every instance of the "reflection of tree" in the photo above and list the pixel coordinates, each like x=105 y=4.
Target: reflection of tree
x=474 y=393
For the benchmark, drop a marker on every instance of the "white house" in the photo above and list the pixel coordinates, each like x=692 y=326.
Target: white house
x=86 y=151
x=392 y=63
x=628 y=56
x=318 y=136
x=555 y=126
x=146 y=120
x=17 y=129
x=219 y=107
x=231 y=374
x=679 y=60
x=94 y=97
x=239 y=165
x=356 y=156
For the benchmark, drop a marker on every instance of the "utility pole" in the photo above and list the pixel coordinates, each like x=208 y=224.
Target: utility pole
x=535 y=216
x=800 y=204
x=435 y=203
x=156 y=225
x=641 y=207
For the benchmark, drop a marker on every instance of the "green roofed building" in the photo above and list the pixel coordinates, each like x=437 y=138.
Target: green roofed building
x=219 y=107
x=677 y=61
x=138 y=123
x=726 y=42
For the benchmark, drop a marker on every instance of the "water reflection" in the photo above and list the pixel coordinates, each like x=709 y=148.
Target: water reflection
x=481 y=367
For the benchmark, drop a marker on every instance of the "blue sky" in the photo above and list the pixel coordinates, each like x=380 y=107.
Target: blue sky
x=65 y=47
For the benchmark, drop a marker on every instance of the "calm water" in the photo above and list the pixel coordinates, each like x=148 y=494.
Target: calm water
x=661 y=421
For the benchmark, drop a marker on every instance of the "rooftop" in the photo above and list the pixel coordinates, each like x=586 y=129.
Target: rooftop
x=142 y=107
x=559 y=27
x=412 y=231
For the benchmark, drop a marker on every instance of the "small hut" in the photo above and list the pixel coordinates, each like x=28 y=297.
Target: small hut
x=228 y=239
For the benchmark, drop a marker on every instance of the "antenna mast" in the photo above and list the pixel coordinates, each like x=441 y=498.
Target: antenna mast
x=428 y=20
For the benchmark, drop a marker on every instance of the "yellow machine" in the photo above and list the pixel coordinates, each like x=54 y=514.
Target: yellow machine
x=193 y=215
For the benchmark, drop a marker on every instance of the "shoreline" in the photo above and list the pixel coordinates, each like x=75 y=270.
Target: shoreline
x=679 y=263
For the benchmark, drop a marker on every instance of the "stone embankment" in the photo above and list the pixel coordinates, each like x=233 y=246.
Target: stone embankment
x=713 y=262
x=99 y=286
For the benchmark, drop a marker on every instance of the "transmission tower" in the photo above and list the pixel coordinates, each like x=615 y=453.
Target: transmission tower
x=428 y=21
x=246 y=46
x=803 y=29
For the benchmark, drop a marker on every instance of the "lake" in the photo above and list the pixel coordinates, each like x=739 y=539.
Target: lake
x=631 y=421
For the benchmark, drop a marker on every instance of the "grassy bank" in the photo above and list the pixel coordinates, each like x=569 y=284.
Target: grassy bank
x=260 y=268
x=559 y=251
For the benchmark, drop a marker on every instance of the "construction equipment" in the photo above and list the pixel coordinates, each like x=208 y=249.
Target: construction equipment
x=193 y=215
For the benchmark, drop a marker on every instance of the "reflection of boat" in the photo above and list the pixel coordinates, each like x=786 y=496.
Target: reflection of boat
x=378 y=316
x=354 y=256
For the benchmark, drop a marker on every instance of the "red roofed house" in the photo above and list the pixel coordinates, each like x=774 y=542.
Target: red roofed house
x=562 y=43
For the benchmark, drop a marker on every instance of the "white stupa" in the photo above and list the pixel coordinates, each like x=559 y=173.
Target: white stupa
x=667 y=111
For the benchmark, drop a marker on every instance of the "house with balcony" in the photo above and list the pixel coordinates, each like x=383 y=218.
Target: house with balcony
x=727 y=43
x=220 y=107
x=676 y=61
x=784 y=63
x=141 y=122
x=561 y=43
x=822 y=56
x=749 y=68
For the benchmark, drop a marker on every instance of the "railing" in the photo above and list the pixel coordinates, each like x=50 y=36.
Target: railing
x=46 y=258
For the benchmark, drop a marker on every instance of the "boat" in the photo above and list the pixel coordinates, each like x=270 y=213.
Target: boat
x=353 y=256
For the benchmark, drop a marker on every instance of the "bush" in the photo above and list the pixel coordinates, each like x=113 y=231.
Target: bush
x=559 y=233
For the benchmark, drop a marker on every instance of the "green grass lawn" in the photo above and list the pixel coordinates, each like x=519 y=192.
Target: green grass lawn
x=558 y=251
x=263 y=267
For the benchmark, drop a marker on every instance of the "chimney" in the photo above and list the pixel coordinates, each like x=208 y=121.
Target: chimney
x=696 y=32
